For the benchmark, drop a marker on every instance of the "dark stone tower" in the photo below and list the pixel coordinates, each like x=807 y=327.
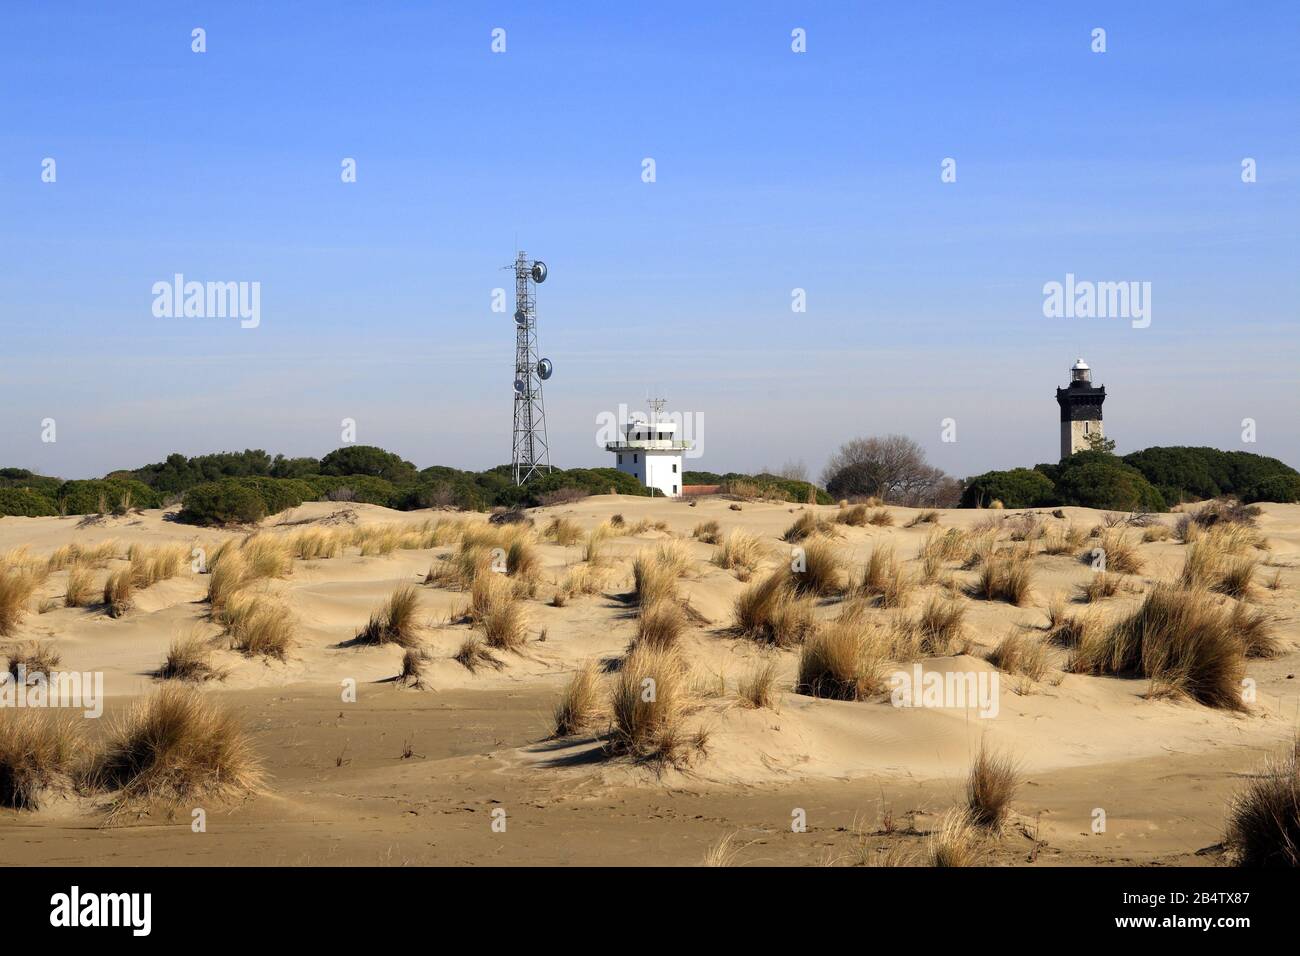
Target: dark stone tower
x=1080 y=410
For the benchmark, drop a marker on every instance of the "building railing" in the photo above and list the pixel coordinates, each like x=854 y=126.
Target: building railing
x=649 y=444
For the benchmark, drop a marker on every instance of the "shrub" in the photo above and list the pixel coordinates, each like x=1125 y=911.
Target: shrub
x=1094 y=479
x=105 y=496
x=222 y=503
x=26 y=503
x=1017 y=488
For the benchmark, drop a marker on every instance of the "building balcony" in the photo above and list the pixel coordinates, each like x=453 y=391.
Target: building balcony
x=648 y=444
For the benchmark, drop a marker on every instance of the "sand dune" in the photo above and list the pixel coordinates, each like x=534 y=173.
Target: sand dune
x=413 y=775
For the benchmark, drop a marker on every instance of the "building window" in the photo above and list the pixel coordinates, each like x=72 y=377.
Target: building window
x=620 y=459
x=634 y=459
x=674 y=489
x=674 y=468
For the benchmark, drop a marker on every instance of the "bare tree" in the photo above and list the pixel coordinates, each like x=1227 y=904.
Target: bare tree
x=794 y=471
x=892 y=467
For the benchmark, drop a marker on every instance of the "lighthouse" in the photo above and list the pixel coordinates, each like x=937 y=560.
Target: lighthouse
x=650 y=450
x=1080 y=405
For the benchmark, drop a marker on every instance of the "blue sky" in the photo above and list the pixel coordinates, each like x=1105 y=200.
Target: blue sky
x=775 y=171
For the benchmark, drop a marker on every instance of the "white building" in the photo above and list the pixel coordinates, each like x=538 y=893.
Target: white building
x=651 y=451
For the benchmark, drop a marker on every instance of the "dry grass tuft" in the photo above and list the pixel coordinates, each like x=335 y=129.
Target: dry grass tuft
x=228 y=575
x=578 y=708
x=473 y=654
x=119 y=592
x=884 y=580
x=842 y=661
x=925 y=517
x=37 y=752
x=710 y=532
x=394 y=621
x=258 y=626
x=189 y=659
x=740 y=550
x=649 y=706
x=1180 y=640
x=1119 y=553
x=1020 y=653
x=940 y=626
x=80 y=587
x=955 y=843
x=807 y=525
x=1263 y=829
x=855 y=517
x=33 y=658
x=17 y=585
x=1156 y=532
x=1254 y=631
x=177 y=745
x=1100 y=586
x=498 y=611
x=769 y=611
x=823 y=570
x=990 y=787
x=881 y=518
x=267 y=556
x=563 y=531
x=414 y=663
x=660 y=624
x=757 y=689
x=1005 y=576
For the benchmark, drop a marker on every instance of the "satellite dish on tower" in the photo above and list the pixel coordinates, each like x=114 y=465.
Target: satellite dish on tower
x=539 y=271
x=520 y=318
x=544 y=369
x=519 y=386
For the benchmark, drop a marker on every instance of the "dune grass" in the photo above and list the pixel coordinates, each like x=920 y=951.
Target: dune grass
x=740 y=550
x=1005 y=575
x=821 y=572
x=757 y=689
x=259 y=626
x=884 y=580
x=1180 y=640
x=414 y=668
x=177 y=745
x=579 y=706
x=38 y=752
x=807 y=525
x=954 y=843
x=1020 y=653
x=474 y=653
x=1263 y=827
x=991 y=785
x=35 y=658
x=768 y=611
x=940 y=626
x=660 y=624
x=80 y=586
x=842 y=661
x=393 y=622
x=649 y=706
x=709 y=532
x=17 y=585
x=119 y=592
x=189 y=659
x=563 y=532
